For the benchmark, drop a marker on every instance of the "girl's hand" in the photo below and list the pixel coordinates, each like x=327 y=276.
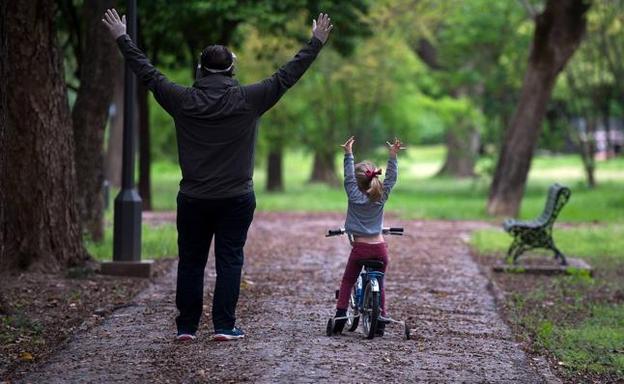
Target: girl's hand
x=348 y=145
x=395 y=147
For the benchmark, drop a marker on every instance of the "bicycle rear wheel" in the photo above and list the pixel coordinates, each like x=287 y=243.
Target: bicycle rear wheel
x=371 y=311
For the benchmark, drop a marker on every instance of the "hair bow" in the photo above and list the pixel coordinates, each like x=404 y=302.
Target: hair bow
x=371 y=173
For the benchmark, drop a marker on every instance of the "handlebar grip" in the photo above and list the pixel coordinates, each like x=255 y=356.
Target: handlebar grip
x=334 y=232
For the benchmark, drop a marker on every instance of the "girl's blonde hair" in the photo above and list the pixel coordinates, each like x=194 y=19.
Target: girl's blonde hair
x=366 y=176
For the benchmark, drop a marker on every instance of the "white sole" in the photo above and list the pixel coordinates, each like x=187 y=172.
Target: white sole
x=185 y=337
x=222 y=337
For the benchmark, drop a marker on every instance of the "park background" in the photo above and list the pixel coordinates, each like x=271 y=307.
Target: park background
x=455 y=80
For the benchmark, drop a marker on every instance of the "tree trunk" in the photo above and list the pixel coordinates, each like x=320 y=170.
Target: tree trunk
x=275 y=181
x=89 y=116
x=3 y=120
x=41 y=228
x=462 y=150
x=114 y=146
x=587 y=144
x=145 y=185
x=558 y=32
x=323 y=169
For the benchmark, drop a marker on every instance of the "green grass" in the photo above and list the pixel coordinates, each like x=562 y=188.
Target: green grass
x=419 y=195
x=157 y=242
x=577 y=319
x=595 y=345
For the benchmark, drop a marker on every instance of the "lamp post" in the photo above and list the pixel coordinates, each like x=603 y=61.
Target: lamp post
x=128 y=204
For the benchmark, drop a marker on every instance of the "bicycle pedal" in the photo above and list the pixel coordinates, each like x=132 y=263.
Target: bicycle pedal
x=337 y=293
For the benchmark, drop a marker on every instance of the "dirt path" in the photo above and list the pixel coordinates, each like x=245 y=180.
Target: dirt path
x=291 y=273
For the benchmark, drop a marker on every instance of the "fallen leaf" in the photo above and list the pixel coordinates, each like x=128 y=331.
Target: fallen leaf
x=26 y=356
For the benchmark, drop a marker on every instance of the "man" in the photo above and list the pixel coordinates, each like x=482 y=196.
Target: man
x=216 y=126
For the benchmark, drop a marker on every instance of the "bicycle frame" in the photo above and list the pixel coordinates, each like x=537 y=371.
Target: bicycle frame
x=368 y=276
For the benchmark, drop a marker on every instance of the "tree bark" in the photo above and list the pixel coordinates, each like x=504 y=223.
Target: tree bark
x=588 y=153
x=462 y=150
x=41 y=228
x=145 y=159
x=114 y=146
x=275 y=182
x=89 y=116
x=558 y=32
x=323 y=169
x=3 y=119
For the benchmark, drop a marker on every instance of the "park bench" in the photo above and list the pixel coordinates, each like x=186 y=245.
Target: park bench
x=538 y=233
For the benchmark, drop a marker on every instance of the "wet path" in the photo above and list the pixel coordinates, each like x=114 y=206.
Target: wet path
x=291 y=273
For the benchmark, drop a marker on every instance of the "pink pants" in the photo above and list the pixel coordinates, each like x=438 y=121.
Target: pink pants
x=359 y=252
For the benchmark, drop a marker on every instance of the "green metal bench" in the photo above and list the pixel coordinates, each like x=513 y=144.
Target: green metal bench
x=538 y=233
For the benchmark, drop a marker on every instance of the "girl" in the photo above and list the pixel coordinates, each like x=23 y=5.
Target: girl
x=367 y=196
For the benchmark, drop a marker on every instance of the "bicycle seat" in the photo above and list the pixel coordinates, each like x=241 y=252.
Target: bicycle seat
x=373 y=264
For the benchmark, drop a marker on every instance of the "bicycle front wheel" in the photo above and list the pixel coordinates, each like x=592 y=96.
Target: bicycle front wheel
x=371 y=311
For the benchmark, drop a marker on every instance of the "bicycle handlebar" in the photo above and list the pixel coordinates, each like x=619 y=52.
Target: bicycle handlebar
x=335 y=232
x=397 y=231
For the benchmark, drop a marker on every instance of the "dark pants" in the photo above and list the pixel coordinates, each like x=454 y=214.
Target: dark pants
x=359 y=252
x=197 y=221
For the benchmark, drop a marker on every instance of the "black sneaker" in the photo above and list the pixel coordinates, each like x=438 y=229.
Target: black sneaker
x=381 y=329
x=340 y=323
x=381 y=325
x=183 y=337
x=228 y=334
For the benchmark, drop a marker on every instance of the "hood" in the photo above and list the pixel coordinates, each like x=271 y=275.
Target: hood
x=215 y=81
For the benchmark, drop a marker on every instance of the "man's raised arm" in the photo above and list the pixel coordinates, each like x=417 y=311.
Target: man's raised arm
x=166 y=93
x=264 y=94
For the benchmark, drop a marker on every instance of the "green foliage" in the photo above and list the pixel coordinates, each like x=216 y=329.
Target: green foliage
x=177 y=31
x=428 y=119
x=591 y=86
x=477 y=54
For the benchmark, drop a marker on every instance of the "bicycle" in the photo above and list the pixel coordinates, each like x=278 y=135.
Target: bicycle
x=365 y=299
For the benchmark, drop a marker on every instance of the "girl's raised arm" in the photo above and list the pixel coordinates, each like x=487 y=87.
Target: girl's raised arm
x=392 y=170
x=350 y=184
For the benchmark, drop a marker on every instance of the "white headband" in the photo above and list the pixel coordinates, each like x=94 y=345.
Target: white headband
x=199 y=66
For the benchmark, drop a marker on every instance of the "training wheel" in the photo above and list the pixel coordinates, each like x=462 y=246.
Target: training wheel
x=330 y=327
x=407 y=332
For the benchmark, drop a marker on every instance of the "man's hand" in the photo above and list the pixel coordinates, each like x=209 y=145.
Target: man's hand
x=348 y=145
x=321 y=27
x=115 y=24
x=395 y=147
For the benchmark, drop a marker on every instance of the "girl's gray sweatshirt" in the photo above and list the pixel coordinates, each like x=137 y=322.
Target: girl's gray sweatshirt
x=365 y=218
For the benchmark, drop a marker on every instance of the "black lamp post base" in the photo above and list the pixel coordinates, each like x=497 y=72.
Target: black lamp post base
x=128 y=268
x=127 y=227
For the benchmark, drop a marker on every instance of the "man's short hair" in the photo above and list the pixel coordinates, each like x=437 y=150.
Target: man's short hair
x=216 y=58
